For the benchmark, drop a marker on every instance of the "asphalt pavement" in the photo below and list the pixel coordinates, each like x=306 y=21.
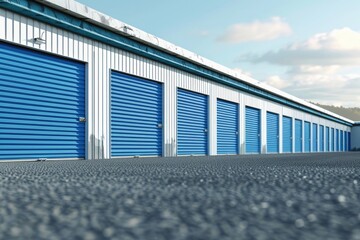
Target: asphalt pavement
x=298 y=196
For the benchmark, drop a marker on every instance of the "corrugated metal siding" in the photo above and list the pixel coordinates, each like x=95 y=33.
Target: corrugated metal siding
x=192 y=119
x=136 y=116
x=307 y=140
x=298 y=135
x=252 y=131
x=327 y=139
x=42 y=98
x=315 y=137
x=227 y=127
x=272 y=132
x=287 y=134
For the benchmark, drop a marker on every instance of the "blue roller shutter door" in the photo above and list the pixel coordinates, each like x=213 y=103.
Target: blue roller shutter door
x=136 y=116
x=192 y=123
x=315 y=137
x=272 y=120
x=349 y=141
x=307 y=137
x=287 y=134
x=345 y=141
x=227 y=127
x=252 y=131
x=337 y=138
x=42 y=98
x=327 y=139
x=298 y=135
x=321 y=138
x=341 y=140
x=332 y=140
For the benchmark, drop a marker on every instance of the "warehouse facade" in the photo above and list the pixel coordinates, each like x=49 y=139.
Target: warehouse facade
x=77 y=84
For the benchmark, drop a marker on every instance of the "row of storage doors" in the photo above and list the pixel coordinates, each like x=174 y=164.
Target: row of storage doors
x=137 y=125
x=42 y=106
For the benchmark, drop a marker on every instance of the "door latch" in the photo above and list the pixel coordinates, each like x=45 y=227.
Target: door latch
x=82 y=119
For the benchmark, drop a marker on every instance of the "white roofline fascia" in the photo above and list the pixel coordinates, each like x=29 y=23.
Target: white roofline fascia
x=90 y=15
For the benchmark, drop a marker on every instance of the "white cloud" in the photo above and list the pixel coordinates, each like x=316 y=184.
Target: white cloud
x=339 y=47
x=320 y=84
x=256 y=31
x=277 y=82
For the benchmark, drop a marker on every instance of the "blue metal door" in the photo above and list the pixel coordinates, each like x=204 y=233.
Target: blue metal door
x=136 y=116
x=315 y=137
x=42 y=98
x=192 y=123
x=345 y=141
x=252 y=130
x=321 y=138
x=327 y=139
x=227 y=127
x=341 y=140
x=349 y=141
x=332 y=140
x=272 y=132
x=337 y=138
x=298 y=135
x=307 y=140
x=287 y=134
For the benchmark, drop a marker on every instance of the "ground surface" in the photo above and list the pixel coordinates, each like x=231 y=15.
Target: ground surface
x=297 y=196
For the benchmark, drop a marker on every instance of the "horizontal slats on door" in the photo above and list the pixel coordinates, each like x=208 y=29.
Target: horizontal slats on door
x=192 y=123
x=307 y=139
x=287 y=134
x=315 y=137
x=136 y=116
x=227 y=127
x=252 y=131
x=272 y=126
x=42 y=98
x=298 y=135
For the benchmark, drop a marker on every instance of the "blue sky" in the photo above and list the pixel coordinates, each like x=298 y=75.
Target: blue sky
x=308 y=48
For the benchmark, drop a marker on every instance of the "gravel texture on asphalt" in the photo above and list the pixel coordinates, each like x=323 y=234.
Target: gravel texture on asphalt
x=298 y=196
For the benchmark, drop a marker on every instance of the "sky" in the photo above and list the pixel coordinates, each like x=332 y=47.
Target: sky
x=308 y=48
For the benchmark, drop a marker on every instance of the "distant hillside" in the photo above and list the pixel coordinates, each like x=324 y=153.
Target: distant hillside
x=351 y=113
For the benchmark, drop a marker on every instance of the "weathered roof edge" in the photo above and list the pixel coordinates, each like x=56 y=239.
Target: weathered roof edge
x=88 y=14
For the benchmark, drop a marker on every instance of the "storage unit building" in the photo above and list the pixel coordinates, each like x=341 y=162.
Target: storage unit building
x=77 y=84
